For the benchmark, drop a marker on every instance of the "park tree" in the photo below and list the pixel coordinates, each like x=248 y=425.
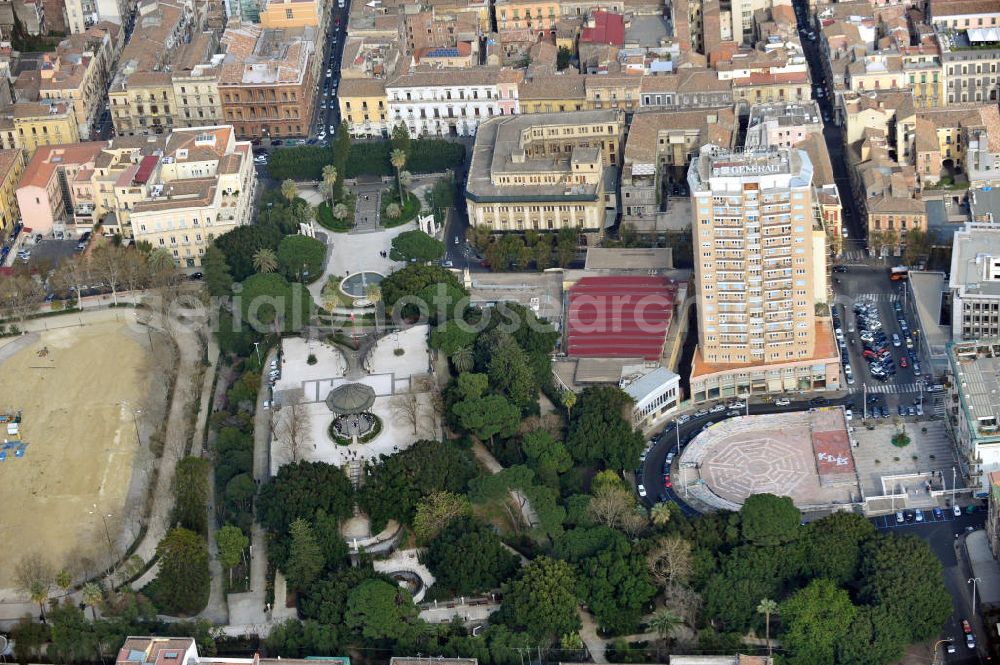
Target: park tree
x=903 y=576
x=600 y=429
x=326 y=599
x=183 y=581
x=745 y=575
x=413 y=279
x=396 y=485
x=767 y=608
x=398 y=160
x=108 y=263
x=452 y=335
x=416 y=246
x=567 y=244
x=871 y=639
x=340 y=211
x=299 y=490
x=289 y=190
x=301 y=258
x=218 y=279
x=241 y=245
x=269 y=304
x=265 y=260
x=379 y=610
x=467 y=557
x=400 y=139
x=670 y=561
x=191 y=491
x=329 y=182
x=93 y=595
x=834 y=546
x=463 y=359
x=614 y=583
x=301 y=639
x=437 y=511
x=488 y=416
x=546 y=456
x=770 y=520
x=443 y=301
x=34 y=575
x=661 y=513
x=542 y=602
x=816 y=619
x=394 y=211
x=305 y=559
x=511 y=373
x=72 y=274
x=20 y=296
x=231 y=543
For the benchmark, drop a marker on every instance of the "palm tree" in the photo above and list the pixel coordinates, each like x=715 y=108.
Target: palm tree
x=289 y=190
x=329 y=180
x=92 y=595
x=265 y=260
x=64 y=580
x=569 y=400
x=398 y=160
x=664 y=622
x=393 y=211
x=463 y=359
x=767 y=607
x=660 y=514
x=39 y=593
x=406 y=178
x=340 y=211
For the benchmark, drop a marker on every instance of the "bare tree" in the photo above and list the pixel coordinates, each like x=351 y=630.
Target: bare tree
x=406 y=406
x=684 y=601
x=20 y=296
x=611 y=504
x=109 y=265
x=73 y=274
x=34 y=576
x=135 y=271
x=291 y=425
x=670 y=561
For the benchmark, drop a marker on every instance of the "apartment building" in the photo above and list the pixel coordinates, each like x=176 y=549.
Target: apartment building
x=364 y=107
x=78 y=73
x=753 y=224
x=661 y=144
x=695 y=87
x=967 y=33
x=201 y=187
x=38 y=124
x=43 y=193
x=974 y=282
x=536 y=16
x=752 y=227
x=974 y=407
x=782 y=125
x=11 y=168
x=545 y=171
x=434 y=102
x=267 y=85
x=141 y=96
x=278 y=14
x=552 y=93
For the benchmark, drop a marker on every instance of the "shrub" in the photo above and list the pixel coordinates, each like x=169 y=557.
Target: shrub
x=299 y=163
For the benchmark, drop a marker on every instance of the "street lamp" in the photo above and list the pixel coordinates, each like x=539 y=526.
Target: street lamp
x=107 y=532
x=260 y=362
x=135 y=420
x=974 y=581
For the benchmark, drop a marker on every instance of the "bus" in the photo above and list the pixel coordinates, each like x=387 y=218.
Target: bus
x=898 y=273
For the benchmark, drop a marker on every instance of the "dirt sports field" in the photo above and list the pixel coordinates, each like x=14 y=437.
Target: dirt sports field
x=81 y=442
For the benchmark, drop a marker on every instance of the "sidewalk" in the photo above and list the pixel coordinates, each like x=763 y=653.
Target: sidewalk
x=984 y=567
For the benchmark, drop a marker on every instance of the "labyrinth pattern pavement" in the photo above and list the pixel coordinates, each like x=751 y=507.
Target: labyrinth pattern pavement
x=737 y=468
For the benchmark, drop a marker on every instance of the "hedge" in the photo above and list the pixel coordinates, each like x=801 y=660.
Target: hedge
x=369 y=158
x=304 y=162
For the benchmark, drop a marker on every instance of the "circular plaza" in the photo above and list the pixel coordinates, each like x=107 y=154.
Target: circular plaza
x=804 y=455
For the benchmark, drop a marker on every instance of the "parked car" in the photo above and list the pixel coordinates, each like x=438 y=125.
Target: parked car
x=918 y=515
x=642 y=490
x=938 y=513
x=782 y=401
x=956 y=511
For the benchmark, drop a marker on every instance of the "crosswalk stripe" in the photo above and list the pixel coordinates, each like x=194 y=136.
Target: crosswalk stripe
x=890 y=388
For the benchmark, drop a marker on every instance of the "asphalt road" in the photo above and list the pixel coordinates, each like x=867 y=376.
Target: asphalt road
x=329 y=117
x=863 y=283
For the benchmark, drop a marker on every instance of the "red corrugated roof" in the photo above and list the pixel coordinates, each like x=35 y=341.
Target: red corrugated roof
x=620 y=317
x=146 y=167
x=608 y=29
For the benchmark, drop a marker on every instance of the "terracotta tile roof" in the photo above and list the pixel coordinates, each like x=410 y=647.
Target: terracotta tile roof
x=8 y=160
x=815 y=146
x=361 y=88
x=939 y=8
x=417 y=76
x=642 y=144
x=608 y=29
x=48 y=158
x=554 y=86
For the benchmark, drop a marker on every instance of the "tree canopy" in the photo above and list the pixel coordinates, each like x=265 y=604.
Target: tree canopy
x=183 y=581
x=301 y=258
x=467 y=557
x=302 y=489
x=380 y=610
x=269 y=303
x=541 y=602
x=396 y=485
x=416 y=246
x=600 y=429
x=816 y=620
x=770 y=520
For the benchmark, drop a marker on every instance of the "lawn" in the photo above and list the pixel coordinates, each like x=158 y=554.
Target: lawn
x=410 y=210
x=324 y=215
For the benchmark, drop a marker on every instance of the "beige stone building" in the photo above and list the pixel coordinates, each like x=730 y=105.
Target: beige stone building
x=752 y=225
x=544 y=171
